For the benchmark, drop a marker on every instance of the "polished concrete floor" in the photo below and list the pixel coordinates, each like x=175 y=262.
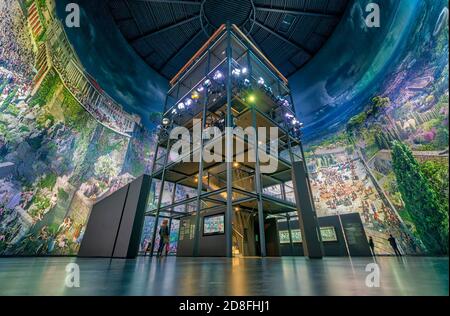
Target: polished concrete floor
x=222 y=276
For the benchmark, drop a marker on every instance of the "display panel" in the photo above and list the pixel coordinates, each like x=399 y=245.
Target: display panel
x=284 y=236
x=328 y=234
x=296 y=236
x=214 y=225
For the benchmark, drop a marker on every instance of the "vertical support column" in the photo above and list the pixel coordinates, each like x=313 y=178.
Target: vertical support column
x=200 y=168
x=229 y=152
x=160 y=195
x=262 y=237
x=288 y=221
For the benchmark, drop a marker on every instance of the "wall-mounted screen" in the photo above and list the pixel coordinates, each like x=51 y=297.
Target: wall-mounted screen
x=284 y=236
x=296 y=236
x=328 y=234
x=214 y=224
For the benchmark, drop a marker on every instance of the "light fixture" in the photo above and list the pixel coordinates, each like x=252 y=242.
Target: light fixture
x=261 y=81
x=251 y=98
x=289 y=115
x=294 y=121
x=246 y=82
x=195 y=95
x=244 y=70
x=174 y=111
x=236 y=164
x=200 y=89
x=207 y=83
x=165 y=121
x=181 y=106
x=218 y=75
x=236 y=72
x=188 y=102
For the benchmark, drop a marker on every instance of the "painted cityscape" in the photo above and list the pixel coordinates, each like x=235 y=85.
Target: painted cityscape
x=65 y=143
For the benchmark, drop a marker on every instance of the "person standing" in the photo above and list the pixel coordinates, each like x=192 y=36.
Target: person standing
x=372 y=246
x=394 y=246
x=163 y=237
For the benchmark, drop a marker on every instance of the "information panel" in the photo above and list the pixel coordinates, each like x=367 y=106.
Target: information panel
x=214 y=225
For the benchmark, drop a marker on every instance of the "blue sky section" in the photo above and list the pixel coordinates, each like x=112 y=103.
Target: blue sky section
x=106 y=55
x=349 y=70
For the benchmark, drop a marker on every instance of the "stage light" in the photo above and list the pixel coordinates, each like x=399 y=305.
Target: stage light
x=181 y=106
x=188 y=102
x=218 y=75
x=236 y=164
x=207 y=83
x=251 y=98
x=244 y=70
x=174 y=111
x=294 y=121
x=261 y=81
x=236 y=72
x=289 y=115
x=246 y=82
x=200 y=89
x=195 y=95
x=165 y=121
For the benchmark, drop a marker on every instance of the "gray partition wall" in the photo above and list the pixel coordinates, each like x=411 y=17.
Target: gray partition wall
x=115 y=224
x=312 y=242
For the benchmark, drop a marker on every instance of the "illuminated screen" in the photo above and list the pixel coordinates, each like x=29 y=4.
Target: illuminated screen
x=213 y=225
x=328 y=234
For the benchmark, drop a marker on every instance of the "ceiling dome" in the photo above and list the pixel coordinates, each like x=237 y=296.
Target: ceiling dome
x=218 y=12
x=167 y=33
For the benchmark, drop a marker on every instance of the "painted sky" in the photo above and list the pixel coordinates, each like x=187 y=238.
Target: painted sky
x=352 y=65
x=334 y=86
x=106 y=55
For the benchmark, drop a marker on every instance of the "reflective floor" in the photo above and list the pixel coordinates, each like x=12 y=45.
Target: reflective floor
x=222 y=276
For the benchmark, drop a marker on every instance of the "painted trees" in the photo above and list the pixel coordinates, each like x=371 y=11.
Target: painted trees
x=422 y=202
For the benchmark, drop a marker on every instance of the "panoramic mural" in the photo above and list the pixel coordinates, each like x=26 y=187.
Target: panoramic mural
x=64 y=142
x=386 y=153
x=75 y=126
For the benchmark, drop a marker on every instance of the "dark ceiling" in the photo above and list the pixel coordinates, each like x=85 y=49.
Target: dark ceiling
x=167 y=33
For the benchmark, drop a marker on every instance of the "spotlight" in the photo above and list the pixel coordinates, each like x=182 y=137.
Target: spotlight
x=294 y=121
x=244 y=70
x=195 y=95
x=181 y=106
x=289 y=115
x=236 y=72
x=236 y=164
x=218 y=75
x=174 y=111
x=188 y=102
x=200 y=89
x=246 y=82
x=251 y=98
x=207 y=83
x=261 y=81
x=165 y=121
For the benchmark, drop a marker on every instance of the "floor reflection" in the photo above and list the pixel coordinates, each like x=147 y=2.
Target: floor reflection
x=224 y=276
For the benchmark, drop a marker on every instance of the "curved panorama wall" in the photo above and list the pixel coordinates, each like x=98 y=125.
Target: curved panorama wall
x=64 y=142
